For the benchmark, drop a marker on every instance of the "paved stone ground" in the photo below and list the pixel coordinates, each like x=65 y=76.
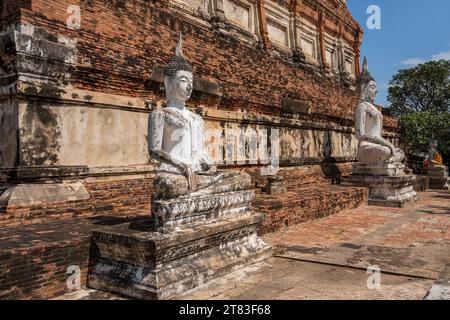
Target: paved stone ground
x=441 y=288
x=328 y=258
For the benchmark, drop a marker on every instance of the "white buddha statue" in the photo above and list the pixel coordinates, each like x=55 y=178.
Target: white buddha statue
x=177 y=137
x=435 y=158
x=373 y=148
x=436 y=169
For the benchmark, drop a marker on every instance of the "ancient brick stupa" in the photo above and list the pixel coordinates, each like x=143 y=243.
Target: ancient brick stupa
x=273 y=81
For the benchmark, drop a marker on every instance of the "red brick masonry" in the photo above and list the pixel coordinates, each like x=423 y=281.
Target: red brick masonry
x=34 y=257
x=107 y=198
x=306 y=203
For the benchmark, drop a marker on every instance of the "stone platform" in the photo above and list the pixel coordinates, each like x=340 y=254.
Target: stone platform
x=385 y=169
x=439 y=178
x=439 y=183
x=389 y=185
x=141 y=264
x=188 y=241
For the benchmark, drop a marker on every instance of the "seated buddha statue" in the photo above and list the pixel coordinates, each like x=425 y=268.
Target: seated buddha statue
x=372 y=148
x=435 y=160
x=177 y=140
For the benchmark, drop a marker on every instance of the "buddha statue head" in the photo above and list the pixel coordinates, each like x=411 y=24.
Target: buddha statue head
x=178 y=78
x=432 y=147
x=433 y=144
x=368 y=84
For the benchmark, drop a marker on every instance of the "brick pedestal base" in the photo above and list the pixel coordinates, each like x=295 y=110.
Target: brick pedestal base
x=138 y=263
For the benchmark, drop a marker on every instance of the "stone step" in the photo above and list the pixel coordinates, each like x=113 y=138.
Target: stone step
x=305 y=203
x=135 y=263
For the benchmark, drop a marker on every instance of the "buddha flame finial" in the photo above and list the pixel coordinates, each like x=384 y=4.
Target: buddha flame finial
x=177 y=62
x=365 y=64
x=365 y=76
x=179 y=48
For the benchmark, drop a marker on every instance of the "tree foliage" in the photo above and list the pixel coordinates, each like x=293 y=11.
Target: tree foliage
x=418 y=128
x=423 y=88
x=420 y=97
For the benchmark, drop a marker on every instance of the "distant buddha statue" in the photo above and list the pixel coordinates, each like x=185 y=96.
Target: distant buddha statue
x=380 y=167
x=177 y=138
x=434 y=157
x=373 y=148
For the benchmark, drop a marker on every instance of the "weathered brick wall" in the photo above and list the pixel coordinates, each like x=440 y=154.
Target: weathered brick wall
x=132 y=197
x=39 y=271
x=306 y=203
x=116 y=59
x=10 y=11
x=298 y=177
x=119 y=48
x=108 y=198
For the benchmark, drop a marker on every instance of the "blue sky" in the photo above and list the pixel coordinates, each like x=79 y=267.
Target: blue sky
x=412 y=31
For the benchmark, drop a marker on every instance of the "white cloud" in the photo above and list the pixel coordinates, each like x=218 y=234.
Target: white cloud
x=412 y=62
x=442 y=55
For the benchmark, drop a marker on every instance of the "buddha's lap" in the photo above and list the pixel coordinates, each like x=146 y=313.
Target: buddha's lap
x=374 y=148
x=174 y=180
x=373 y=153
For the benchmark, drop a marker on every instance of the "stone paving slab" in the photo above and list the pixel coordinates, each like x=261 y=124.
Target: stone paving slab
x=426 y=221
x=285 y=279
x=441 y=288
x=413 y=241
x=420 y=263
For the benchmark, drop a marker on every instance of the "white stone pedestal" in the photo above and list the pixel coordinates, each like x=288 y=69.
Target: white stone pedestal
x=439 y=179
x=198 y=239
x=381 y=169
x=389 y=185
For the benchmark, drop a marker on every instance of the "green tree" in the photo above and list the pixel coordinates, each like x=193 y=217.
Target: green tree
x=418 y=128
x=423 y=88
x=420 y=98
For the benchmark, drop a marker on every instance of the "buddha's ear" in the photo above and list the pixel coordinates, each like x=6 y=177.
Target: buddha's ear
x=167 y=81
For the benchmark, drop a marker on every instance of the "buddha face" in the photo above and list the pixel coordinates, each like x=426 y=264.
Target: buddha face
x=369 y=91
x=179 y=87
